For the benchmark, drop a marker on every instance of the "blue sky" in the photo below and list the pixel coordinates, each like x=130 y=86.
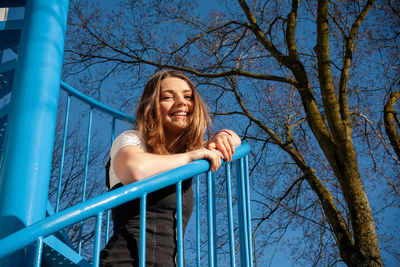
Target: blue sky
x=280 y=259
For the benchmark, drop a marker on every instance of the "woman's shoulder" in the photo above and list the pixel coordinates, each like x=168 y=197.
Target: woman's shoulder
x=129 y=137
x=130 y=133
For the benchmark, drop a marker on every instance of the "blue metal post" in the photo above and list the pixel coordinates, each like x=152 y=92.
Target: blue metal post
x=109 y=211
x=28 y=146
x=198 y=220
x=230 y=213
x=242 y=211
x=248 y=214
x=214 y=218
x=39 y=252
x=179 y=226
x=97 y=242
x=142 y=235
x=63 y=152
x=210 y=221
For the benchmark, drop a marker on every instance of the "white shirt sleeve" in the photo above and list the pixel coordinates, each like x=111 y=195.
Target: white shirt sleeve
x=130 y=137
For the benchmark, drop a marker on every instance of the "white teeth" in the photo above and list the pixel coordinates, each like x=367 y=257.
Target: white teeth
x=179 y=114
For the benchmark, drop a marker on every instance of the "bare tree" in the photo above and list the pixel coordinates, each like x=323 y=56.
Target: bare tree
x=302 y=82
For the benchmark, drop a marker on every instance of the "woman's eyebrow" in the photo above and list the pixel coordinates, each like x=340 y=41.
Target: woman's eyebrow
x=173 y=91
x=166 y=91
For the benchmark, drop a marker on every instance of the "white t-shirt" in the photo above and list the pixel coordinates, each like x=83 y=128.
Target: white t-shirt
x=129 y=137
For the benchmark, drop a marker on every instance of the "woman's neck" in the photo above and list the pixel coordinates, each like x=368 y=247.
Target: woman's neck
x=173 y=141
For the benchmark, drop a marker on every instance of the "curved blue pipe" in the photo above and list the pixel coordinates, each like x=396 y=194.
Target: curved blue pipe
x=95 y=104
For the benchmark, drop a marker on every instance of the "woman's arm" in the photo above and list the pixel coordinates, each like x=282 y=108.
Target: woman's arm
x=132 y=164
x=225 y=141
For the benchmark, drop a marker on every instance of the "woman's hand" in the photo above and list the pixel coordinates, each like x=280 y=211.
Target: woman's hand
x=212 y=155
x=225 y=142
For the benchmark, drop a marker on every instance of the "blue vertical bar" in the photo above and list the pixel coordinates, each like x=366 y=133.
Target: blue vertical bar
x=109 y=211
x=210 y=220
x=230 y=214
x=29 y=138
x=63 y=152
x=88 y=138
x=248 y=214
x=214 y=217
x=198 y=220
x=244 y=257
x=39 y=252
x=179 y=223
x=142 y=237
x=97 y=239
x=107 y=236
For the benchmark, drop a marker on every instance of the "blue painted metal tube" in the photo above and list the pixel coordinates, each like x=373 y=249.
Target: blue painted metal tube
x=248 y=211
x=80 y=237
x=113 y=130
x=242 y=214
x=214 y=218
x=63 y=152
x=88 y=138
x=198 y=220
x=142 y=236
x=97 y=239
x=179 y=227
x=210 y=220
x=109 y=211
x=95 y=104
x=39 y=252
x=230 y=213
x=29 y=138
x=107 y=234
x=106 y=201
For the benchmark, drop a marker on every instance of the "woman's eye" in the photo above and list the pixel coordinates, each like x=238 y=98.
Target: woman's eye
x=189 y=97
x=166 y=97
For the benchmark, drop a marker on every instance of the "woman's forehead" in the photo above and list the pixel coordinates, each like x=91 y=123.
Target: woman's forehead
x=173 y=84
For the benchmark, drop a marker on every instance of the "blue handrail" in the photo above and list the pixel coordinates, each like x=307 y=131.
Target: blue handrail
x=111 y=199
x=95 y=104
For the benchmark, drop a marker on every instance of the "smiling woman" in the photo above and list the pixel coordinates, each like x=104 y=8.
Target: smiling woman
x=176 y=104
x=171 y=122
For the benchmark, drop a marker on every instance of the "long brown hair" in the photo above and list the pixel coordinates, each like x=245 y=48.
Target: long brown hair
x=148 y=119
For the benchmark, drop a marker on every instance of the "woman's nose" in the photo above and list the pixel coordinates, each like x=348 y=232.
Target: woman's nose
x=181 y=100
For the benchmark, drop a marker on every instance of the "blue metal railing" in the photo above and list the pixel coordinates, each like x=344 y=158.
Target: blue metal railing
x=96 y=206
x=93 y=105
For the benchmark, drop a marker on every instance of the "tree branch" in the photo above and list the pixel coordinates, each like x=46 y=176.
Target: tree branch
x=324 y=70
x=389 y=115
x=347 y=59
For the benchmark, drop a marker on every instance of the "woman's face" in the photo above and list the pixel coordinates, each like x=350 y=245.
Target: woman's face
x=177 y=105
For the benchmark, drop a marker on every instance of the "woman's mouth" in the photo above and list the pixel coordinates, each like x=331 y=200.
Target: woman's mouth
x=179 y=113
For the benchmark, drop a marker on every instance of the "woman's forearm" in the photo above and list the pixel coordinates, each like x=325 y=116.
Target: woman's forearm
x=132 y=164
